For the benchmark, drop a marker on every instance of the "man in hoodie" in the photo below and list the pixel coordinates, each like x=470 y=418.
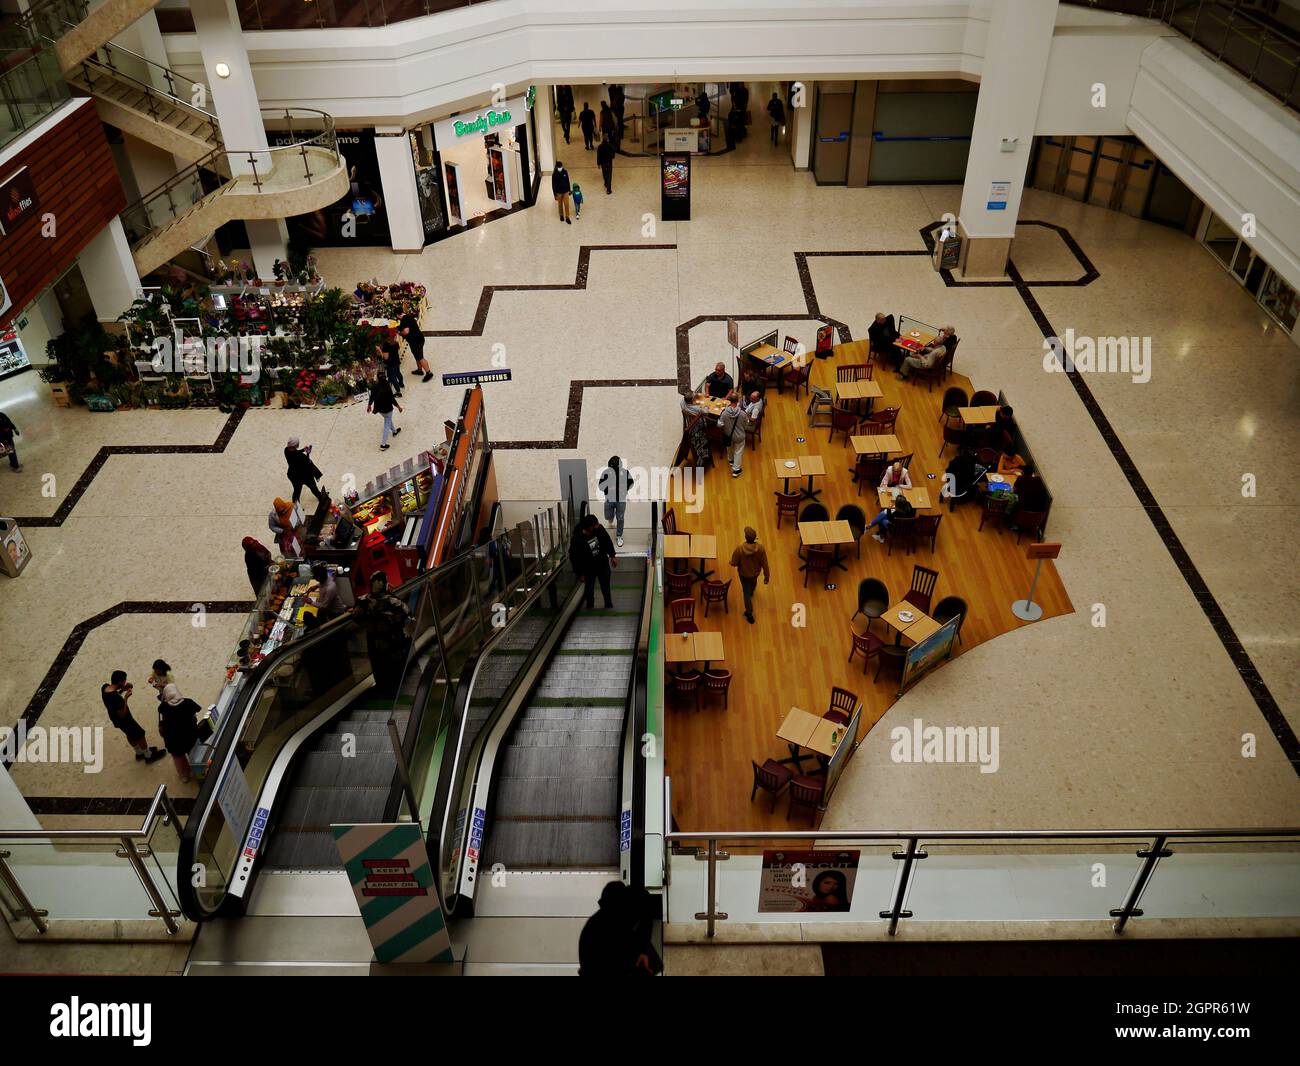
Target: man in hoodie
x=750 y=560
x=592 y=554
x=561 y=186
x=587 y=123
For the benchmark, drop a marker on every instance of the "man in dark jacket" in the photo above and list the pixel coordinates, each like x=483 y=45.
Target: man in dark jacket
x=613 y=942
x=381 y=402
x=616 y=104
x=587 y=123
x=302 y=471
x=564 y=105
x=776 y=112
x=409 y=327
x=7 y=433
x=605 y=160
x=383 y=617
x=592 y=554
x=562 y=187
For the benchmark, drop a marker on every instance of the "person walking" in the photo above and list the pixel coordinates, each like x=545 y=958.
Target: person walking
x=302 y=471
x=409 y=328
x=702 y=105
x=592 y=554
x=608 y=123
x=735 y=127
x=615 y=483
x=617 y=102
x=564 y=105
x=562 y=187
x=577 y=200
x=734 y=424
x=178 y=724
x=384 y=617
x=116 y=696
x=750 y=560
x=382 y=402
x=776 y=112
x=605 y=160
x=390 y=354
x=257 y=562
x=7 y=433
x=587 y=123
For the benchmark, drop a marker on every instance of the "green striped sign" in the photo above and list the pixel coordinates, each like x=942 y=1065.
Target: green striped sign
x=388 y=866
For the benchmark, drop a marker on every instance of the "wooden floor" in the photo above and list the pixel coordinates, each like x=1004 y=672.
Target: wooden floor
x=777 y=665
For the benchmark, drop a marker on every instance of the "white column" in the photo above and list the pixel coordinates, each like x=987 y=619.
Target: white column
x=401 y=197
x=1011 y=82
x=801 y=126
x=545 y=108
x=109 y=272
x=221 y=42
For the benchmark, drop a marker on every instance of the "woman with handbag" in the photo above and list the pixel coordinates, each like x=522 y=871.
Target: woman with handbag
x=177 y=722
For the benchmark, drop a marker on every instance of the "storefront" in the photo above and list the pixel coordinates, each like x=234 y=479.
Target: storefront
x=1257 y=277
x=483 y=162
x=359 y=217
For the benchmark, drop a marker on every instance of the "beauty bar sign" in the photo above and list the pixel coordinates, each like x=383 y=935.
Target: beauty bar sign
x=475 y=124
x=18 y=200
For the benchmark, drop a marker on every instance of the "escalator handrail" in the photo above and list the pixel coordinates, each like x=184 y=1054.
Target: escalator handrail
x=637 y=716
x=232 y=728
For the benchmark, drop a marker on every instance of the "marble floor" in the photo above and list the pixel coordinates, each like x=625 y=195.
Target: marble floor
x=1139 y=721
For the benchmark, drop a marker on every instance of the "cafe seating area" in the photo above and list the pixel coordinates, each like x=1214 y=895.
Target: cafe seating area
x=842 y=608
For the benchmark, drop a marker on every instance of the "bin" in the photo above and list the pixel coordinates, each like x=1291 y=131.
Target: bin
x=14 y=553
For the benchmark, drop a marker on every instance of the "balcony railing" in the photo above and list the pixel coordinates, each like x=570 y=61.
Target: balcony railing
x=29 y=92
x=1254 y=43
x=316 y=14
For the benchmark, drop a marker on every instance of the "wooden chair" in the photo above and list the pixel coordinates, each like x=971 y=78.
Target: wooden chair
x=952 y=400
x=683 y=614
x=929 y=374
x=669 y=522
x=718 y=681
x=843 y=421
x=754 y=434
x=715 y=592
x=983 y=398
x=927 y=525
x=865 y=642
x=1030 y=522
x=887 y=417
x=901 y=531
x=995 y=507
x=679 y=584
x=818 y=562
x=923 y=582
x=951 y=356
x=771 y=777
x=806 y=792
x=687 y=686
x=893 y=656
x=787 y=503
x=857 y=522
x=956 y=435
x=842 y=701
x=798 y=377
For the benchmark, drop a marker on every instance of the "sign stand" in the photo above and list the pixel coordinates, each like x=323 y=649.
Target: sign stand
x=1027 y=610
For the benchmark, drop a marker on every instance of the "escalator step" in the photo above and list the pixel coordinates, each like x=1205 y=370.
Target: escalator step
x=544 y=844
x=555 y=797
x=325 y=769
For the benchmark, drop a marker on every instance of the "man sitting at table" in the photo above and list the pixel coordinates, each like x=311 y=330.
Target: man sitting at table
x=929 y=355
x=882 y=335
x=688 y=405
x=718 y=384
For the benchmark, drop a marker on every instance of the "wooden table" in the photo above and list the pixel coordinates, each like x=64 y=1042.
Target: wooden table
x=711 y=406
x=826 y=535
x=880 y=444
x=692 y=546
x=693 y=647
x=803 y=730
x=775 y=359
x=913 y=344
x=917 y=497
x=859 y=391
x=978 y=416
x=920 y=627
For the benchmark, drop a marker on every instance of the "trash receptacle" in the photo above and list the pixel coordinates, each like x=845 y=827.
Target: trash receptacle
x=14 y=553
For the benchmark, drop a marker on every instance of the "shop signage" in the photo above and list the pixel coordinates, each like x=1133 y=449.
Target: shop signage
x=807 y=882
x=475 y=377
x=18 y=200
x=480 y=123
x=999 y=192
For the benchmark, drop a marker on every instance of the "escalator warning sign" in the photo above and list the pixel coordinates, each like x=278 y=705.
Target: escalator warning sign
x=390 y=877
x=476 y=834
x=254 y=840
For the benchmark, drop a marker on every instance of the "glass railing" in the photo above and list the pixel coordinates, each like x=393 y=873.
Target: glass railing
x=43 y=21
x=64 y=882
x=166 y=96
x=886 y=877
x=29 y=92
x=455 y=608
x=295 y=15
x=1253 y=42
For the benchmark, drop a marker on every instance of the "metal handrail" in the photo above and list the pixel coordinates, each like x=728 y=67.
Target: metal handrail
x=172 y=77
x=978 y=834
x=161 y=801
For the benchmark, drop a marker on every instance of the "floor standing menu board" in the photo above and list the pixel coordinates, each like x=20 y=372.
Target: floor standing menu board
x=675 y=179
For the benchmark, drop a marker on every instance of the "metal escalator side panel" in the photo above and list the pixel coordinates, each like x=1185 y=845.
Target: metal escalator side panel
x=633 y=757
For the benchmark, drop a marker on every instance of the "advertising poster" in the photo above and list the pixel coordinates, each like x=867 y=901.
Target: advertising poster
x=431 y=212
x=456 y=211
x=500 y=191
x=18 y=200
x=929 y=653
x=807 y=882
x=388 y=866
x=675 y=181
x=15 y=547
x=825 y=341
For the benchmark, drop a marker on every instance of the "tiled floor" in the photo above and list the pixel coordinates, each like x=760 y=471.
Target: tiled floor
x=1137 y=722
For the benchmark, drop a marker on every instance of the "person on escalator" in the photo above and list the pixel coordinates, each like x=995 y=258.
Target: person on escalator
x=384 y=618
x=615 y=941
x=592 y=554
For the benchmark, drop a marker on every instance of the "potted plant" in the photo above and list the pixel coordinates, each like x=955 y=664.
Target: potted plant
x=304 y=384
x=279 y=269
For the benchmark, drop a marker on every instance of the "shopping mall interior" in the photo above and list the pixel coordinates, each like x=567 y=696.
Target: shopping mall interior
x=348 y=350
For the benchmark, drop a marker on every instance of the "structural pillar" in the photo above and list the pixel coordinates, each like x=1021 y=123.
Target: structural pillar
x=546 y=129
x=1018 y=45
x=801 y=127
x=109 y=272
x=401 y=196
x=234 y=96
